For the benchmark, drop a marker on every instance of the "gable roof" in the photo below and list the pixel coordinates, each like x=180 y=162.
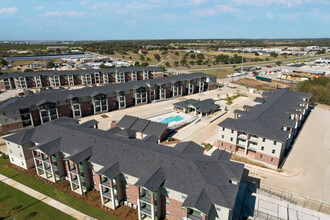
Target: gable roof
x=50 y=148
x=267 y=119
x=183 y=169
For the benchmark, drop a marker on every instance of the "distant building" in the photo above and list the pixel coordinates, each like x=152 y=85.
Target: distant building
x=57 y=47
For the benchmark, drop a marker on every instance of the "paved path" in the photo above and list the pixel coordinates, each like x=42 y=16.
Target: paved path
x=49 y=201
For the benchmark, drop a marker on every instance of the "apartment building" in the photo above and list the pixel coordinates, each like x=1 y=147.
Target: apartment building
x=32 y=110
x=265 y=131
x=42 y=79
x=159 y=181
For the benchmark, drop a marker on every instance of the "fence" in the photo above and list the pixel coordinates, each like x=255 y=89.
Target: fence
x=294 y=198
x=158 y=113
x=184 y=122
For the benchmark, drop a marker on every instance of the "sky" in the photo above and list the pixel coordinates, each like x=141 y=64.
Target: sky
x=163 y=19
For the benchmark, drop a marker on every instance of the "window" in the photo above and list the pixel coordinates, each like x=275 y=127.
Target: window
x=127 y=197
x=167 y=201
x=126 y=186
x=10 y=151
x=12 y=159
x=20 y=154
x=218 y=208
x=231 y=139
x=183 y=196
x=221 y=144
x=183 y=208
x=230 y=146
x=167 y=213
x=264 y=139
x=260 y=156
x=222 y=136
x=274 y=142
x=273 y=151
x=232 y=131
x=271 y=159
x=18 y=146
x=22 y=163
x=262 y=148
x=223 y=129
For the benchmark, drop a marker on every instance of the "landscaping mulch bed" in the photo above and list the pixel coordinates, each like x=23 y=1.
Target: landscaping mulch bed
x=92 y=197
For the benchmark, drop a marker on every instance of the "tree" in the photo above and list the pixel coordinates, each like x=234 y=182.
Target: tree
x=200 y=56
x=28 y=70
x=192 y=56
x=256 y=53
x=144 y=64
x=278 y=63
x=102 y=66
x=199 y=62
x=141 y=57
x=192 y=62
x=50 y=64
x=177 y=53
x=157 y=57
x=176 y=63
x=183 y=61
x=167 y=64
x=273 y=54
x=3 y=62
x=137 y=64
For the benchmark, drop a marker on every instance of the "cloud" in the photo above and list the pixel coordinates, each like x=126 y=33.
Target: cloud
x=11 y=10
x=82 y=3
x=262 y=3
x=218 y=9
x=197 y=2
x=100 y=5
x=63 y=13
x=39 y=7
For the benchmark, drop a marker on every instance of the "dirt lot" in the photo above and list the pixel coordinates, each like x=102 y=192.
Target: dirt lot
x=261 y=84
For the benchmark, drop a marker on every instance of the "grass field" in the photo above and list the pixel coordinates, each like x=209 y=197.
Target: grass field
x=53 y=192
x=15 y=204
x=261 y=85
x=219 y=73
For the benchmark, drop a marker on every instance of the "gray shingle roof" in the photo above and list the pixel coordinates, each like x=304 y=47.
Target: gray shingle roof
x=184 y=171
x=140 y=125
x=201 y=106
x=50 y=148
x=89 y=124
x=151 y=138
x=155 y=128
x=78 y=72
x=28 y=101
x=267 y=119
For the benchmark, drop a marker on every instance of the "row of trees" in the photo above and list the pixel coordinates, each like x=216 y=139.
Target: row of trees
x=318 y=87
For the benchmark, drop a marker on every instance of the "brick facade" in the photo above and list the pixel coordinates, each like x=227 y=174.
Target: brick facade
x=133 y=193
x=174 y=209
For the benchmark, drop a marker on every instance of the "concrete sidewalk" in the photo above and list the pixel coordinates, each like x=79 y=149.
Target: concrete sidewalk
x=49 y=201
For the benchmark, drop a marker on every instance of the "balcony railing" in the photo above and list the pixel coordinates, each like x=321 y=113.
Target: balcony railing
x=253 y=140
x=195 y=217
x=107 y=194
x=145 y=198
x=240 y=145
x=146 y=210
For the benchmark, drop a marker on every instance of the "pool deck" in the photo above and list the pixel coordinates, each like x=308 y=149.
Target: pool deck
x=160 y=118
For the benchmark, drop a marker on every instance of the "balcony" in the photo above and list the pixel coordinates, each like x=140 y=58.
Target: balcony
x=240 y=145
x=107 y=194
x=146 y=210
x=241 y=137
x=37 y=157
x=145 y=198
x=252 y=149
x=253 y=140
x=195 y=217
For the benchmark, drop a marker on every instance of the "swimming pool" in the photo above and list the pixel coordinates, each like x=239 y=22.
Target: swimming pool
x=171 y=119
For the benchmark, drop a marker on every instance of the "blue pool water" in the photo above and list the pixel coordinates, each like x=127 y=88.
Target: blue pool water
x=171 y=119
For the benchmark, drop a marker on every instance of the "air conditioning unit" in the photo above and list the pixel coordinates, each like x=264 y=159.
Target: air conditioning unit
x=125 y=202
x=129 y=204
x=134 y=206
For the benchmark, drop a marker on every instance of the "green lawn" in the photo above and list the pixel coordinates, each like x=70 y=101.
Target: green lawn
x=53 y=192
x=16 y=204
